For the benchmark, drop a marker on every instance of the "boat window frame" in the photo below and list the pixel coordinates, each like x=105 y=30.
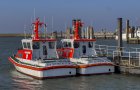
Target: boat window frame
x=36 y=45
x=24 y=45
x=51 y=45
x=84 y=49
x=76 y=44
x=67 y=44
x=45 y=50
x=28 y=45
x=90 y=44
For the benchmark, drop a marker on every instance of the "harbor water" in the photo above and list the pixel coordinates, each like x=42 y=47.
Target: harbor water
x=10 y=79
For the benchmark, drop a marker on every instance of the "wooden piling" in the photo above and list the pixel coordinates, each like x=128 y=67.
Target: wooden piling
x=127 y=30
x=117 y=61
x=119 y=33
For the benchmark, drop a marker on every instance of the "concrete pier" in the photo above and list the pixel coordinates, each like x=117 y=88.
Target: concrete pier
x=129 y=62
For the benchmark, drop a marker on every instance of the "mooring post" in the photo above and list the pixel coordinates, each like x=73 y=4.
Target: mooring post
x=120 y=34
x=117 y=62
x=127 y=31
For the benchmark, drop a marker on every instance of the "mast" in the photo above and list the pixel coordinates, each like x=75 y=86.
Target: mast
x=36 y=24
x=77 y=26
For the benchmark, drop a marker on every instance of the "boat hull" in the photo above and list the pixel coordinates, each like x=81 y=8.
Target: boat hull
x=93 y=66
x=46 y=72
x=55 y=73
x=95 y=69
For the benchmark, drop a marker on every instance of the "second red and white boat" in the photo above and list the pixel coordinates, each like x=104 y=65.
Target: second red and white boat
x=82 y=52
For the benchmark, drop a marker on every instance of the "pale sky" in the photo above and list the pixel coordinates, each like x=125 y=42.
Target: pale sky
x=15 y=14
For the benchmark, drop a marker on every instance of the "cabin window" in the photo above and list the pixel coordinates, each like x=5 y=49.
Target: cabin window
x=90 y=44
x=28 y=45
x=67 y=44
x=24 y=45
x=76 y=44
x=44 y=50
x=36 y=45
x=84 y=49
x=51 y=45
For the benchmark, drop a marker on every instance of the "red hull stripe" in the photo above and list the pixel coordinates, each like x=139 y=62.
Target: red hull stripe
x=43 y=40
x=38 y=68
x=85 y=40
x=91 y=65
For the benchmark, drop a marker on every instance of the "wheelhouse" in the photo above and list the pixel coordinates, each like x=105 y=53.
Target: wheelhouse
x=36 y=47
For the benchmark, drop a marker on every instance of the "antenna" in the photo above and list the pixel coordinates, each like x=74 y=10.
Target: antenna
x=65 y=28
x=91 y=23
x=45 y=28
x=24 y=31
x=34 y=13
x=52 y=26
x=31 y=27
x=52 y=23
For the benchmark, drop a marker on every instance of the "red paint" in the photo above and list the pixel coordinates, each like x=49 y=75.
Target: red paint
x=37 y=23
x=43 y=40
x=98 y=64
x=40 y=68
x=65 y=52
x=86 y=40
x=25 y=54
x=77 y=24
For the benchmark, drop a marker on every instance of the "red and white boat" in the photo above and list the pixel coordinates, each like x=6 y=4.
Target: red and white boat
x=38 y=57
x=82 y=52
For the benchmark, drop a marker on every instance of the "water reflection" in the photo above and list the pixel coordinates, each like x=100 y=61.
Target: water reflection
x=22 y=81
x=10 y=79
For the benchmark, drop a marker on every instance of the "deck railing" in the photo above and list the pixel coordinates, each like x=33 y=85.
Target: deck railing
x=127 y=56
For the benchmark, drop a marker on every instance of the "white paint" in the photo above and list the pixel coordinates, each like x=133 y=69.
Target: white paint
x=90 y=57
x=27 y=53
x=96 y=70
x=136 y=34
x=93 y=69
x=48 y=73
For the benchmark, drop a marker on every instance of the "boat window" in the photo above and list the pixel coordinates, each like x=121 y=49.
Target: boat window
x=36 y=45
x=28 y=45
x=84 y=49
x=24 y=45
x=67 y=44
x=44 y=50
x=76 y=44
x=90 y=44
x=51 y=45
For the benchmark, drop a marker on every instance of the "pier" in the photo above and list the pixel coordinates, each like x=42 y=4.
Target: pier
x=126 y=60
x=134 y=40
x=129 y=58
x=104 y=35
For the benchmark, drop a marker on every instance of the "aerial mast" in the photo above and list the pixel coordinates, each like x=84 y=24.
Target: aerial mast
x=36 y=24
x=77 y=25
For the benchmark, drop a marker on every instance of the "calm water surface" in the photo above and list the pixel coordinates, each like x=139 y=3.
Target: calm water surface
x=10 y=79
